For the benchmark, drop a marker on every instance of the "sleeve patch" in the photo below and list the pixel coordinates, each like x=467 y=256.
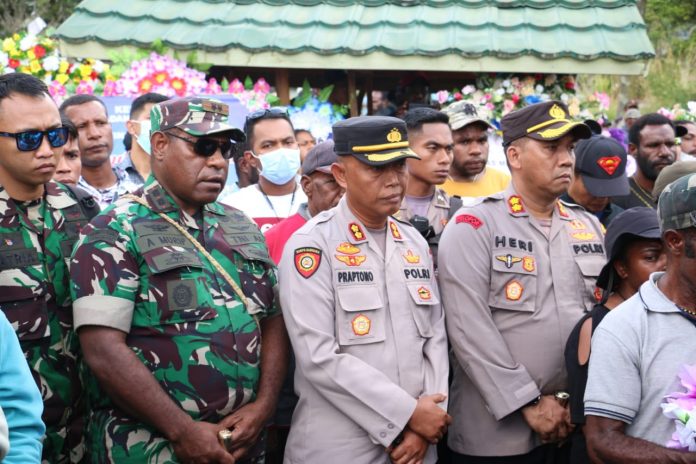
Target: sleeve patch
x=307 y=260
x=473 y=221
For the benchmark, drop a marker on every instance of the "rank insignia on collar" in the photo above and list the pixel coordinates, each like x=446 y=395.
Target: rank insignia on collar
x=473 y=221
x=508 y=259
x=424 y=293
x=584 y=236
x=609 y=164
x=528 y=263
x=562 y=211
x=513 y=290
x=361 y=325
x=356 y=260
x=307 y=260
x=347 y=248
x=356 y=231
x=395 y=231
x=515 y=204
x=411 y=258
x=577 y=224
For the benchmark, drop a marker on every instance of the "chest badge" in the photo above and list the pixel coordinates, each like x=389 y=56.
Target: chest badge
x=410 y=258
x=528 y=263
x=513 y=290
x=584 y=236
x=361 y=325
x=508 y=259
x=347 y=249
x=356 y=260
x=307 y=260
x=356 y=231
x=577 y=224
x=424 y=294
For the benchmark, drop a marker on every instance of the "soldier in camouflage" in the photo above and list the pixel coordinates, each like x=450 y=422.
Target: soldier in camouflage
x=39 y=223
x=174 y=345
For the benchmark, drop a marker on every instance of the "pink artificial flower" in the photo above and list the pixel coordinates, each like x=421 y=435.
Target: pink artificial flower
x=84 y=88
x=508 y=105
x=262 y=86
x=110 y=89
x=442 y=96
x=56 y=89
x=213 y=88
x=236 y=86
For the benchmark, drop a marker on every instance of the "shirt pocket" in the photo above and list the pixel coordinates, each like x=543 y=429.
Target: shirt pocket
x=178 y=287
x=424 y=299
x=513 y=281
x=27 y=312
x=360 y=317
x=590 y=267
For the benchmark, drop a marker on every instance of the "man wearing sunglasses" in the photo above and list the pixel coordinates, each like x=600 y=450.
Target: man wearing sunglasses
x=272 y=150
x=39 y=223
x=95 y=140
x=175 y=307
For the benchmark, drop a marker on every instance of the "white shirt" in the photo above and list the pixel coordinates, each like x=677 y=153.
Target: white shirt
x=265 y=210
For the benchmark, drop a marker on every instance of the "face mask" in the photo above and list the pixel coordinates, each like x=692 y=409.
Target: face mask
x=281 y=165
x=144 y=138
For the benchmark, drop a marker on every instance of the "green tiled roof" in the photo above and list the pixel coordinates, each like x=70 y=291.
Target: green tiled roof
x=606 y=36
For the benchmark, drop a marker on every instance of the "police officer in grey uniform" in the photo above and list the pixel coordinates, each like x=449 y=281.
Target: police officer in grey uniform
x=516 y=271
x=362 y=309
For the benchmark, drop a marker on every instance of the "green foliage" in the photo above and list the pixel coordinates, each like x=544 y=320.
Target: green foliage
x=248 y=83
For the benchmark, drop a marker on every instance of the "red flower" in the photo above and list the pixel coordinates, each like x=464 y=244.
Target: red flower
x=179 y=86
x=14 y=64
x=39 y=51
x=94 y=75
x=515 y=98
x=458 y=96
x=145 y=85
x=570 y=85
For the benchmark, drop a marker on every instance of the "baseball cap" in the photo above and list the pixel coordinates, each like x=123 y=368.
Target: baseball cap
x=677 y=204
x=541 y=121
x=374 y=140
x=194 y=115
x=639 y=222
x=461 y=114
x=320 y=158
x=671 y=173
x=602 y=163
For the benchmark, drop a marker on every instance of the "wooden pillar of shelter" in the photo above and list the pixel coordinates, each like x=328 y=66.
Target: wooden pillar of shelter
x=369 y=84
x=352 y=100
x=282 y=85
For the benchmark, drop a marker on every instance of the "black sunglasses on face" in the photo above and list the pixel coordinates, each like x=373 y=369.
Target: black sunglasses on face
x=31 y=140
x=207 y=147
x=260 y=114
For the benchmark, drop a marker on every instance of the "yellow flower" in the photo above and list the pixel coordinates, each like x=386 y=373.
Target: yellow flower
x=16 y=37
x=35 y=66
x=8 y=44
x=31 y=54
x=62 y=78
x=85 y=70
x=64 y=65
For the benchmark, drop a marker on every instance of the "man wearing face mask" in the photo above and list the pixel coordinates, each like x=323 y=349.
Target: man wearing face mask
x=272 y=149
x=136 y=162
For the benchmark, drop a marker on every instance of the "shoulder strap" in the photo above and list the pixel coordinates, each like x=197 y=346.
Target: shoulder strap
x=455 y=204
x=218 y=267
x=89 y=207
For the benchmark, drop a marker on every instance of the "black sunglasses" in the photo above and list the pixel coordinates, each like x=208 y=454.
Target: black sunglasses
x=207 y=147
x=278 y=111
x=31 y=140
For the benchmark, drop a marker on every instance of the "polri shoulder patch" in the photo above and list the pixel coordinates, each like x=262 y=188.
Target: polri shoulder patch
x=307 y=260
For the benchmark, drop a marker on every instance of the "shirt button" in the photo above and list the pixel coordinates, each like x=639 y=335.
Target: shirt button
x=382 y=434
x=390 y=426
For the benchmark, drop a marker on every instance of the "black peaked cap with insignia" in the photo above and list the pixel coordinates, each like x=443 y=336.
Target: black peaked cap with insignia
x=542 y=121
x=374 y=140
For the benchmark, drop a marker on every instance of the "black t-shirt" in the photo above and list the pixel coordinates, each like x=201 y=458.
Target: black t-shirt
x=637 y=197
x=577 y=374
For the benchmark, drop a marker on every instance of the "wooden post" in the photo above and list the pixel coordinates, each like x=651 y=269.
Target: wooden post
x=368 y=90
x=352 y=101
x=282 y=85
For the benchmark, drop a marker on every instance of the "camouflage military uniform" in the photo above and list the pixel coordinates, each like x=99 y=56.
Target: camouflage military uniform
x=135 y=272
x=34 y=295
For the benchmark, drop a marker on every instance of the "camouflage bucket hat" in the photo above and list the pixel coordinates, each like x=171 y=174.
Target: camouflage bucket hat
x=194 y=115
x=677 y=205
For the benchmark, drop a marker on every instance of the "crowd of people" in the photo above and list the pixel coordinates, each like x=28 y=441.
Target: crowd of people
x=382 y=296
